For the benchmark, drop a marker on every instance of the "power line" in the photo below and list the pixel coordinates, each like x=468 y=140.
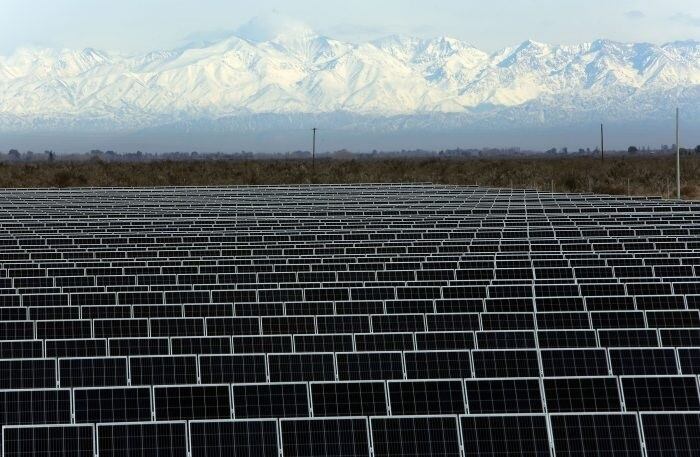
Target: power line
x=313 y=152
x=678 y=157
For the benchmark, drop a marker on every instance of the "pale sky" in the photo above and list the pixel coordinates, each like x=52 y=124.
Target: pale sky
x=135 y=26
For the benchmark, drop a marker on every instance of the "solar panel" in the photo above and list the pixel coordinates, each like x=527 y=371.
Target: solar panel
x=138 y=346
x=76 y=348
x=301 y=367
x=627 y=338
x=163 y=370
x=172 y=403
x=324 y=343
x=167 y=439
x=351 y=398
x=502 y=396
x=660 y=393
x=93 y=372
x=112 y=404
x=596 y=434
x=506 y=339
x=550 y=339
x=415 y=436
x=384 y=342
x=646 y=361
x=398 y=323
x=230 y=369
x=225 y=326
x=288 y=325
x=121 y=328
x=523 y=434
x=35 y=406
x=506 y=363
x=343 y=324
x=257 y=401
x=27 y=373
x=48 y=440
x=437 y=364
x=21 y=349
x=444 y=340
x=262 y=344
x=582 y=394
x=63 y=329
x=676 y=434
x=433 y=397
x=346 y=437
x=574 y=362
x=369 y=366
x=245 y=438
x=200 y=345
x=678 y=337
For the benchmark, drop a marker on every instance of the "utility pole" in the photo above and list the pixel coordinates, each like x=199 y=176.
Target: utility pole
x=678 y=157
x=313 y=153
x=602 y=144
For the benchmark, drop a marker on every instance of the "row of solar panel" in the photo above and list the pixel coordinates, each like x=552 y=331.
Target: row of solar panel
x=569 y=312
x=129 y=294
x=333 y=272
x=433 y=289
x=396 y=260
x=573 y=245
x=622 y=264
x=192 y=369
x=295 y=292
x=347 y=342
x=97 y=303
x=555 y=246
x=481 y=287
x=362 y=325
x=563 y=435
x=309 y=269
x=349 y=398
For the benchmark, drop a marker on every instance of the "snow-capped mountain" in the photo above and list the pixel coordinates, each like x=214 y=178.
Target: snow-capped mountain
x=299 y=72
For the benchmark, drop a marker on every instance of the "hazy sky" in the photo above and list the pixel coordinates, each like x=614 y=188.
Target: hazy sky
x=134 y=26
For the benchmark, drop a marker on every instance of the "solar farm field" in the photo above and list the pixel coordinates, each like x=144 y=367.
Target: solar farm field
x=347 y=320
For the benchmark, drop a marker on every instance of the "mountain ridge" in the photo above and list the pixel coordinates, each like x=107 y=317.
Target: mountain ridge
x=301 y=72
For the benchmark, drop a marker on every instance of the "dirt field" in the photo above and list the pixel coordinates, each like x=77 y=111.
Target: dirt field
x=635 y=175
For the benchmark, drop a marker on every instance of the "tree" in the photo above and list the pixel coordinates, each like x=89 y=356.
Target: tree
x=14 y=154
x=697 y=149
x=632 y=150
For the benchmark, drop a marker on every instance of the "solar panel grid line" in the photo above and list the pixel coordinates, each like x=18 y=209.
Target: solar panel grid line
x=598 y=438
x=142 y=438
x=64 y=439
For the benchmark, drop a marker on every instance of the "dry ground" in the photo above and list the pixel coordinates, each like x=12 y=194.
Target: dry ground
x=636 y=175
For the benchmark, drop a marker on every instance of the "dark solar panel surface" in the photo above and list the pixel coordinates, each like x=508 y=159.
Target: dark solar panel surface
x=385 y=320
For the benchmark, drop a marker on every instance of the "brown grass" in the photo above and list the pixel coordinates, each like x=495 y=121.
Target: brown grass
x=635 y=175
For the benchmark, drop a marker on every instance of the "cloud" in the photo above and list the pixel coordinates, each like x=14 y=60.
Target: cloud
x=687 y=19
x=635 y=14
x=269 y=26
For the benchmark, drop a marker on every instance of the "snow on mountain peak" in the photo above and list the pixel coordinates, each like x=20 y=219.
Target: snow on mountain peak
x=274 y=64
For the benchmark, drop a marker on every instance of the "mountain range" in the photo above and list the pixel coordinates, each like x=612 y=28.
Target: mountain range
x=298 y=77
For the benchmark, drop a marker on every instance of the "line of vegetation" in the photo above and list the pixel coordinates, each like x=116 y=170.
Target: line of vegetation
x=621 y=174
